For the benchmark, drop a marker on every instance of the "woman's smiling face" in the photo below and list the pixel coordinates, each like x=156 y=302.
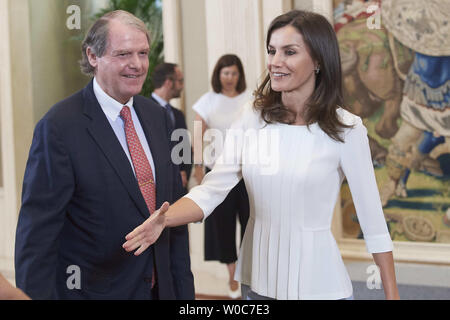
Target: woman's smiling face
x=289 y=62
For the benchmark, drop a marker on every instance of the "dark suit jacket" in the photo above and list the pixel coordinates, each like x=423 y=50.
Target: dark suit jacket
x=180 y=123
x=79 y=200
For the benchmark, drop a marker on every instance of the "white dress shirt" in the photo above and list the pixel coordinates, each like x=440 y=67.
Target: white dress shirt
x=160 y=100
x=166 y=105
x=288 y=250
x=112 y=108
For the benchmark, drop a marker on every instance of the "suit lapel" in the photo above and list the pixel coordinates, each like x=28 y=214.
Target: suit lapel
x=154 y=100
x=102 y=133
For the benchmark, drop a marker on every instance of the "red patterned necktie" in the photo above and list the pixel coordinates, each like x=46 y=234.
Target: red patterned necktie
x=142 y=168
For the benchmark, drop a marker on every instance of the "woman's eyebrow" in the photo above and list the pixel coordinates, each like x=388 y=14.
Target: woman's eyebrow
x=286 y=46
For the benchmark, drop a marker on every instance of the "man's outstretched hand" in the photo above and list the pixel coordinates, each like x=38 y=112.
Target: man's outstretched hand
x=148 y=232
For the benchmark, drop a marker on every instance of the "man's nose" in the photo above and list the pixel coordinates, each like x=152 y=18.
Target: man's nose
x=135 y=62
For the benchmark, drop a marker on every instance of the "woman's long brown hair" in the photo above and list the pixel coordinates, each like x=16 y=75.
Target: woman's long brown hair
x=320 y=39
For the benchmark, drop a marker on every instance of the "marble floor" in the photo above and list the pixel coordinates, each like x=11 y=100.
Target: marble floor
x=415 y=281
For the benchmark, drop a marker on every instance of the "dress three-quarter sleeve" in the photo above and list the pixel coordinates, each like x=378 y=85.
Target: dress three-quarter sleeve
x=356 y=164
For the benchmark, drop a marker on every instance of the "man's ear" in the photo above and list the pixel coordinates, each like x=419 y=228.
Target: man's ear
x=91 y=57
x=168 y=83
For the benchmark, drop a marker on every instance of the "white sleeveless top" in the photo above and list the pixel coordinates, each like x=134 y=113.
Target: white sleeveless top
x=219 y=112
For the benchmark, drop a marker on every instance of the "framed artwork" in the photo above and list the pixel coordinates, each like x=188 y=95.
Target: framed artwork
x=396 y=68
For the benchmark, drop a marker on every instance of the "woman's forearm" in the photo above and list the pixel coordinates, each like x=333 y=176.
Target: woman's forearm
x=183 y=211
x=385 y=261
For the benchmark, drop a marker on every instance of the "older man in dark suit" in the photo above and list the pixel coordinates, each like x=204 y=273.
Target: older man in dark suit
x=99 y=165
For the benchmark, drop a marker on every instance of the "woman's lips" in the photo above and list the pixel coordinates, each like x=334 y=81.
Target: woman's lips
x=279 y=75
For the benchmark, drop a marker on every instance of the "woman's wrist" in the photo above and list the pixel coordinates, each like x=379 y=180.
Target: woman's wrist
x=392 y=293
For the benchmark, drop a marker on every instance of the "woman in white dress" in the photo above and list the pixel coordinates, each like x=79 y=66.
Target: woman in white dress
x=288 y=250
x=217 y=110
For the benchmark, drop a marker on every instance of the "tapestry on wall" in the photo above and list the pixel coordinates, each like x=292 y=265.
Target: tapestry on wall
x=396 y=68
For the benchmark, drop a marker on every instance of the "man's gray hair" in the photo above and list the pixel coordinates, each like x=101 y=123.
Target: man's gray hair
x=97 y=36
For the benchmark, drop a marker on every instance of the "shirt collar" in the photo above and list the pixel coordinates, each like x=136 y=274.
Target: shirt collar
x=160 y=100
x=109 y=105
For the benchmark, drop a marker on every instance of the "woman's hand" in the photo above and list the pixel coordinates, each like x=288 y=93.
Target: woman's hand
x=148 y=232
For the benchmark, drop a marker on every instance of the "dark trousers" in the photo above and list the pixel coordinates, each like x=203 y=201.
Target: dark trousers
x=220 y=226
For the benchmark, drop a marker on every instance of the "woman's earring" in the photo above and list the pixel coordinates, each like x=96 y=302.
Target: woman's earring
x=317 y=70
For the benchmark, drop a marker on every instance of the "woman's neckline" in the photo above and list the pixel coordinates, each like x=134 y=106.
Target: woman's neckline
x=228 y=97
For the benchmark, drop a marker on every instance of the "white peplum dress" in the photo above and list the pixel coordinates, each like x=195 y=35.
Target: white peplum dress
x=293 y=175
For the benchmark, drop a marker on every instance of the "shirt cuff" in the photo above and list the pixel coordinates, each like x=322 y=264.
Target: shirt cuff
x=379 y=243
x=194 y=197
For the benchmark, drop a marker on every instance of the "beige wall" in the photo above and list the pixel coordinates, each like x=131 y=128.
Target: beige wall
x=16 y=110
x=6 y=128
x=1 y=161
x=324 y=7
x=196 y=73
x=39 y=67
x=55 y=52
x=235 y=26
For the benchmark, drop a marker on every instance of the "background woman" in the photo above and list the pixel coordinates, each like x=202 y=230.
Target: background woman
x=218 y=109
